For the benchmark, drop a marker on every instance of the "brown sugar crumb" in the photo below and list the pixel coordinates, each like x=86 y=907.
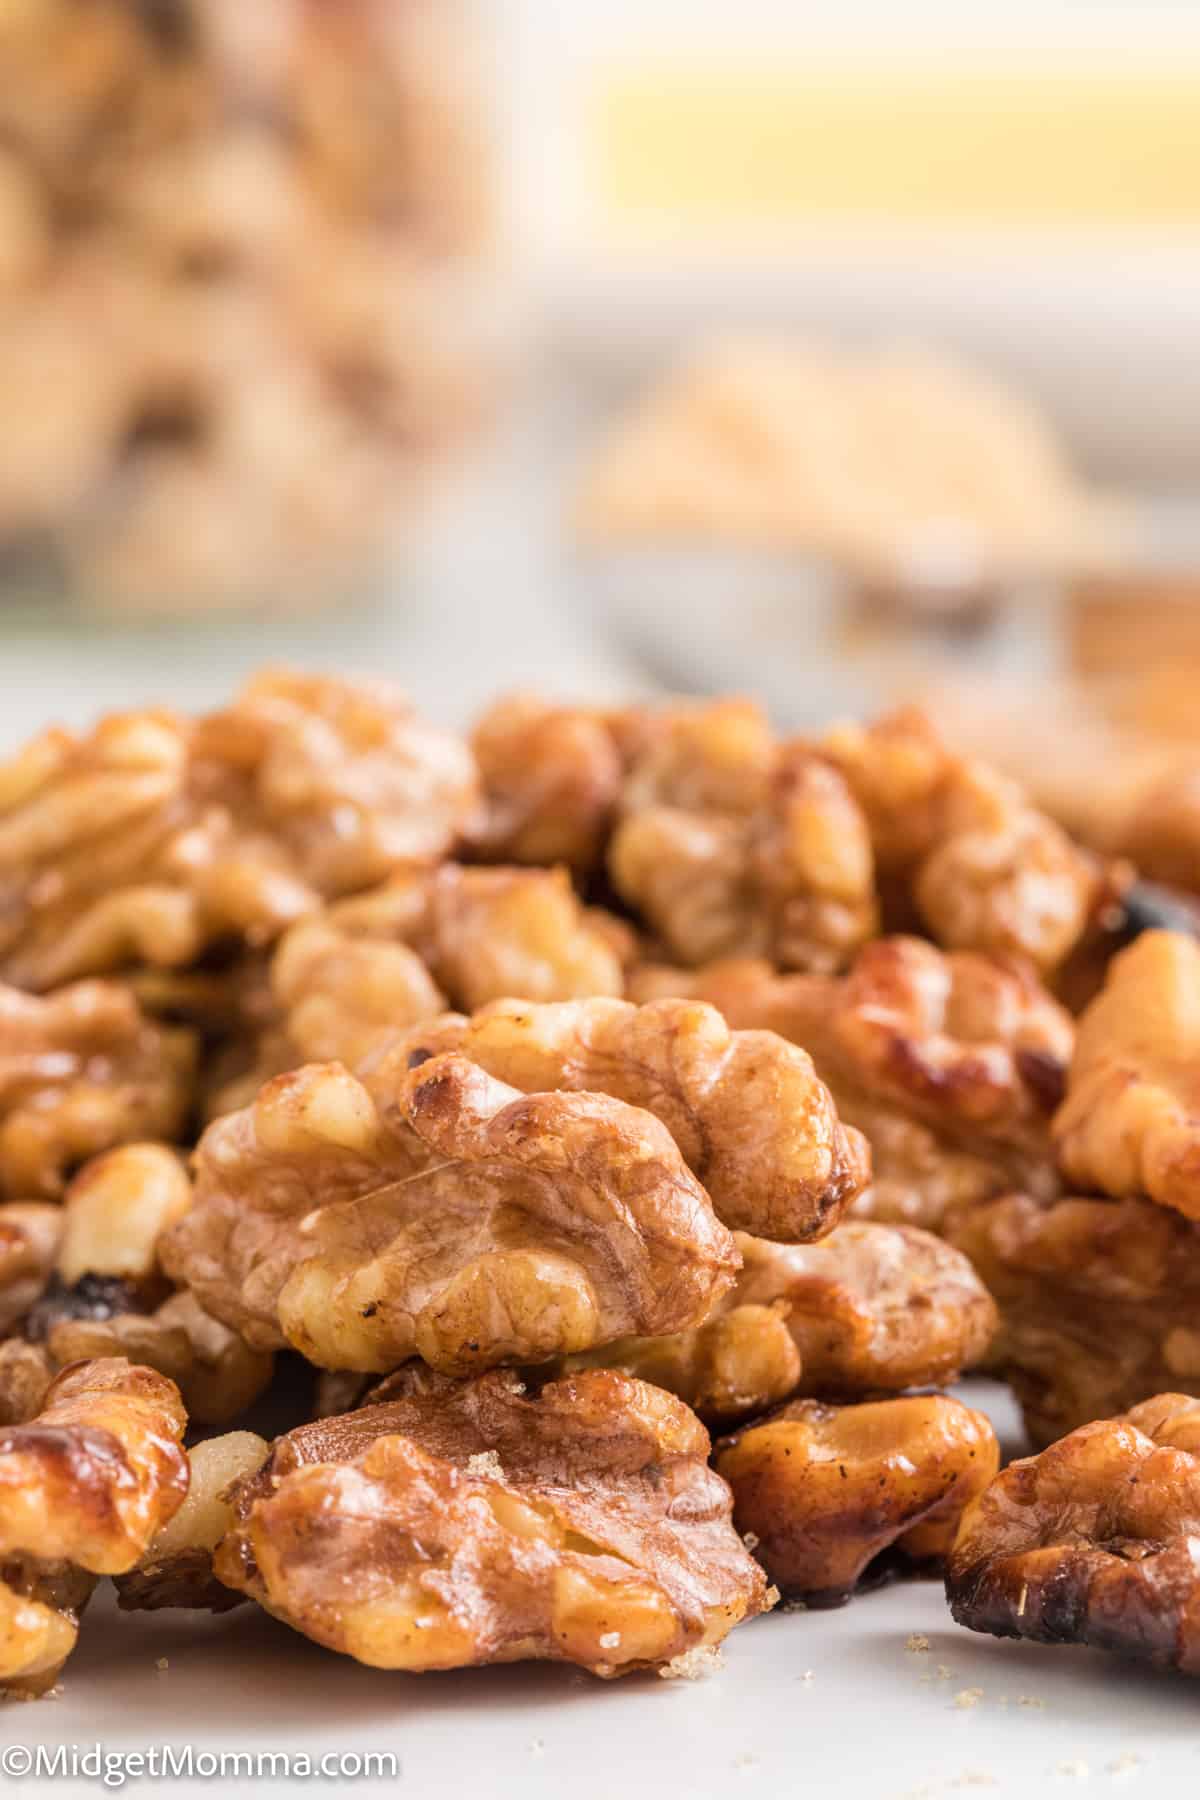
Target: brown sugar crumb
x=696 y=1664
x=967 y=1697
x=916 y=1642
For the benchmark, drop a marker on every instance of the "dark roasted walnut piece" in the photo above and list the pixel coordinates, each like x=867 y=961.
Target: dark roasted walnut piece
x=822 y=1491
x=461 y=1523
x=1128 y=1123
x=951 y=1064
x=81 y=1070
x=84 y=1488
x=1094 y=1541
x=747 y=1110
x=1098 y=1303
x=730 y=841
x=433 y=1211
x=869 y=1309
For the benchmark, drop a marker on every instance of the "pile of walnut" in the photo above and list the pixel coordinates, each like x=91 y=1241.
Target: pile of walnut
x=501 y=1268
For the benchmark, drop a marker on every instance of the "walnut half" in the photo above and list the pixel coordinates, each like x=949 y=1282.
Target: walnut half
x=467 y=1522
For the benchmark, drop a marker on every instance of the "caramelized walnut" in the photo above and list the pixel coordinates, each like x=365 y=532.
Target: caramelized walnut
x=869 y=1309
x=551 y=780
x=154 y=837
x=177 y=1569
x=81 y=1070
x=1098 y=1303
x=1128 y=1125
x=84 y=1487
x=465 y=1522
x=29 y=1234
x=731 y=842
x=754 y=1123
x=26 y=1371
x=1161 y=828
x=1093 y=1541
x=824 y=1490
x=430 y=1210
x=951 y=1064
x=983 y=868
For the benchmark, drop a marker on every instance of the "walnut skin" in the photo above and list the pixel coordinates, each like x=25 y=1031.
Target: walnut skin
x=826 y=1489
x=84 y=1487
x=466 y=1523
x=754 y=1123
x=731 y=842
x=1098 y=1303
x=951 y=1064
x=433 y=1211
x=81 y=1070
x=1127 y=1125
x=155 y=837
x=1093 y=1541
x=869 y=1309
x=984 y=869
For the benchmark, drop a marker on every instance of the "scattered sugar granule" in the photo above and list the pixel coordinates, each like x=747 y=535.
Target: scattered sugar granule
x=695 y=1664
x=422 y=1623
x=1077 y=1769
x=916 y=1642
x=162 y=1664
x=1022 y=1597
x=771 y=1597
x=745 y=1761
x=537 y=1747
x=1125 y=1763
x=609 y=1640
x=968 y=1697
x=943 y=1672
x=1031 y=1700
x=807 y=1675
x=750 y=1539
x=486 y=1462
x=973 y=1778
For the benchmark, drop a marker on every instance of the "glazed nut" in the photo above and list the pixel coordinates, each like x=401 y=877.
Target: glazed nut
x=551 y=779
x=115 y=1209
x=754 y=1122
x=583 y=1526
x=29 y=1237
x=176 y=1570
x=1093 y=1540
x=430 y=1210
x=826 y=1490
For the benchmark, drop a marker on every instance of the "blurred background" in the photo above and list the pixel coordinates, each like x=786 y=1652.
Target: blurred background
x=841 y=355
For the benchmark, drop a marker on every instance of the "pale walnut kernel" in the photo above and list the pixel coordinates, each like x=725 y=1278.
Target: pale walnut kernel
x=370 y=1533
x=1093 y=1541
x=827 y=1489
x=430 y=1210
x=176 y=1570
x=1097 y=1298
x=1128 y=1123
x=869 y=1309
x=730 y=841
x=82 y=1070
x=951 y=1064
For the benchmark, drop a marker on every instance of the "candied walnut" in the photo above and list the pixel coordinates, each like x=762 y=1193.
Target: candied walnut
x=984 y=869
x=26 y=1371
x=754 y=1123
x=1127 y=1125
x=466 y=1522
x=81 y=1070
x=951 y=1064
x=1098 y=1303
x=1161 y=828
x=826 y=1489
x=115 y=1210
x=433 y=1211
x=338 y=994
x=84 y=1488
x=729 y=841
x=551 y=780
x=871 y=1308
x=154 y=837
x=29 y=1234
x=177 y=1569
x=1093 y=1541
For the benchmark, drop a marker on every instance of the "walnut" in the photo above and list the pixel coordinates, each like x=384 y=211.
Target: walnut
x=84 y=1488
x=983 y=868
x=551 y=779
x=754 y=1123
x=467 y=1522
x=81 y=1070
x=369 y=964
x=1160 y=829
x=29 y=1234
x=177 y=1568
x=26 y=1371
x=826 y=1489
x=434 y=1211
x=1127 y=1124
x=731 y=842
x=1093 y=1541
x=155 y=837
x=950 y=1063
x=869 y=1309
x=1098 y=1303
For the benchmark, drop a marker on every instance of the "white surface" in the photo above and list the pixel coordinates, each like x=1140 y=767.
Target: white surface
x=875 y=1721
